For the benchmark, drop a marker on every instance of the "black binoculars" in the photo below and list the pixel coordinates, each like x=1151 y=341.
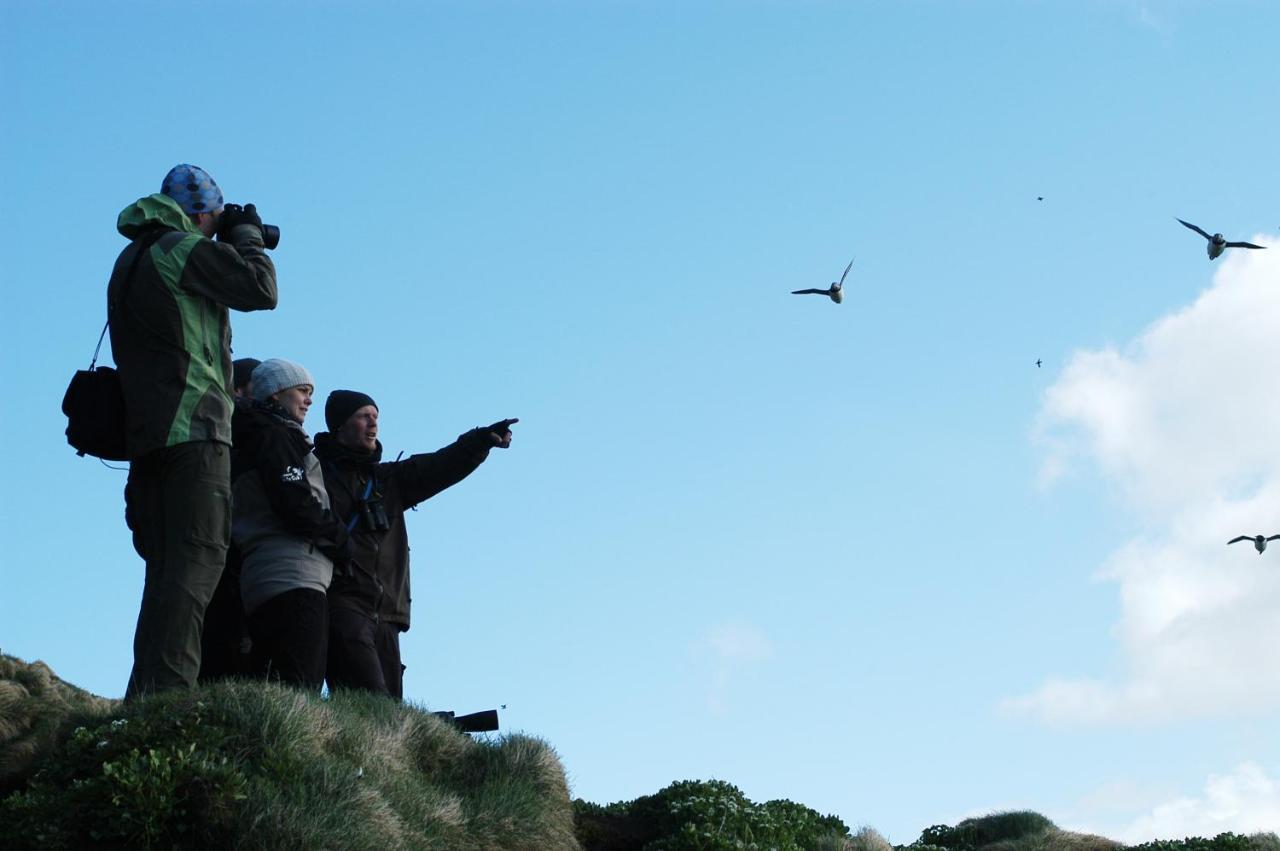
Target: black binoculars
x=270 y=233
x=270 y=236
x=373 y=516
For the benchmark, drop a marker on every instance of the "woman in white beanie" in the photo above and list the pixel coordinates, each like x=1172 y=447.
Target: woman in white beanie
x=282 y=524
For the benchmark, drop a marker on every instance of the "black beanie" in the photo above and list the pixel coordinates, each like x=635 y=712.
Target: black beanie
x=341 y=404
x=242 y=370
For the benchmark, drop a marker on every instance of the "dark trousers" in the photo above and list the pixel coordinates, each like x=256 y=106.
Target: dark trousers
x=225 y=641
x=290 y=633
x=178 y=505
x=364 y=654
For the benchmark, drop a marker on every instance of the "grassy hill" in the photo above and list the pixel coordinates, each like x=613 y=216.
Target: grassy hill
x=255 y=765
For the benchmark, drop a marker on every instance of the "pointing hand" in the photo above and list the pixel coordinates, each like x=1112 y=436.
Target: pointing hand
x=500 y=433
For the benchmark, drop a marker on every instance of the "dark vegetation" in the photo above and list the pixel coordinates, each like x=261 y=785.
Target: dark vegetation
x=1030 y=831
x=691 y=815
x=251 y=765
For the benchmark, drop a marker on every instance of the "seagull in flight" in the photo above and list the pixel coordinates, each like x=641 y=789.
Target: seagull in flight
x=1218 y=244
x=835 y=292
x=1259 y=541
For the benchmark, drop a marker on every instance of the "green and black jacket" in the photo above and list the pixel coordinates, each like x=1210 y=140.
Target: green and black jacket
x=170 y=334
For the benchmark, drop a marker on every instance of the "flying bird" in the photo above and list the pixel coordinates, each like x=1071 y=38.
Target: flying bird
x=1038 y=362
x=1259 y=541
x=835 y=292
x=1217 y=243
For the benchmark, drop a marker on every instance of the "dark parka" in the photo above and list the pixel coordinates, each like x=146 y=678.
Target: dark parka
x=376 y=582
x=170 y=334
x=282 y=524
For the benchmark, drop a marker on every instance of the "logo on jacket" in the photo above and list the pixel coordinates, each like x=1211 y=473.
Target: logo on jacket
x=292 y=474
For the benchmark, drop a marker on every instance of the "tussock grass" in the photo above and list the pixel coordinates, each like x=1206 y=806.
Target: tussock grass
x=1054 y=839
x=868 y=839
x=258 y=765
x=33 y=704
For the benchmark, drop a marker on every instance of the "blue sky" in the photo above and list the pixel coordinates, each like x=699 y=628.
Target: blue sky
x=868 y=557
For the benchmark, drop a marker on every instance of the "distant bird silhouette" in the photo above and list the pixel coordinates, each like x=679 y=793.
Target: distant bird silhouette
x=1217 y=243
x=835 y=292
x=1259 y=541
x=1038 y=362
x=1039 y=197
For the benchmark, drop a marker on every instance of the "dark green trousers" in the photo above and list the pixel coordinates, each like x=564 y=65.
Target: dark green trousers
x=178 y=505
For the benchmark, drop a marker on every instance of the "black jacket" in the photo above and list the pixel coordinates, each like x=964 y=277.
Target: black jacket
x=281 y=520
x=376 y=581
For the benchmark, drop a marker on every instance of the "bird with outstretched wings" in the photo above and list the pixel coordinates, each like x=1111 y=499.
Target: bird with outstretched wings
x=835 y=292
x=1217 y=242
x=1259 y=541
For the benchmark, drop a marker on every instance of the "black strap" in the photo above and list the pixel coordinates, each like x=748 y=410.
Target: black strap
x=142 y=246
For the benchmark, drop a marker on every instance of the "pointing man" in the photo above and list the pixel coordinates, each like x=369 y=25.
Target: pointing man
x=369 y=602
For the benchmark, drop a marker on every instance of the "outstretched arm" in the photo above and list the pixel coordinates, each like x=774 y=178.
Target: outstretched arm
x=423 y=476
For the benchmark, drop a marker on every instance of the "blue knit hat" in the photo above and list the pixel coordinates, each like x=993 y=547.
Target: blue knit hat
x=272 y=376
x=193 y=189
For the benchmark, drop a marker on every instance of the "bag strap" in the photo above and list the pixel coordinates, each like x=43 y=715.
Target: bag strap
x=142 y=246
x=368 y=490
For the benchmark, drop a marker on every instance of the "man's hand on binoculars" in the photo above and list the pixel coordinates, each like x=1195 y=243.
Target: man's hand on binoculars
x=234 y=215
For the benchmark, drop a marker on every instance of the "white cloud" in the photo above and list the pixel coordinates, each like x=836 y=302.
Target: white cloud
x=733 y=648
x=739 y=642
x=1185 y=424
x=1246 y=800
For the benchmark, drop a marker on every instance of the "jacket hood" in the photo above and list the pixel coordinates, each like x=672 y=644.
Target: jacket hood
x=153 y=210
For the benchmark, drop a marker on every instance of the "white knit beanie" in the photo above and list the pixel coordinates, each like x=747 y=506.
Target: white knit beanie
x=272 y=376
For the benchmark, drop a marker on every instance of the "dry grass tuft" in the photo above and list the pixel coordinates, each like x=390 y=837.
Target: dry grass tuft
x=868 y=839
x=1054 y=839
x=34 y=704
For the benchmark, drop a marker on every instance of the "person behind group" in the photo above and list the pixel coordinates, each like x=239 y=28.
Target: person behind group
x=242 y=377
x=224 y=645
x=171 y=341
x=287 y=536
x=369 y=600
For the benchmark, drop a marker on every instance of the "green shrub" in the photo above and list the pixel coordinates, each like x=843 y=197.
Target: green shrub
x=974 y=833
x=1221 y=842
x=1264 y=842
x=704 y=816
x=611 y=827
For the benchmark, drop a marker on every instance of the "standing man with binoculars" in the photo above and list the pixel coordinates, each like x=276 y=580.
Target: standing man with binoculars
x=171 y=340
x=369 y=600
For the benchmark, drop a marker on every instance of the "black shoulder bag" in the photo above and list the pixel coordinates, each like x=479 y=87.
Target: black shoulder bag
x=94 y=401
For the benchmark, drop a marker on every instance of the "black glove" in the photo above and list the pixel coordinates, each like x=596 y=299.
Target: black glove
x=501 y=427
x=234 y=215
